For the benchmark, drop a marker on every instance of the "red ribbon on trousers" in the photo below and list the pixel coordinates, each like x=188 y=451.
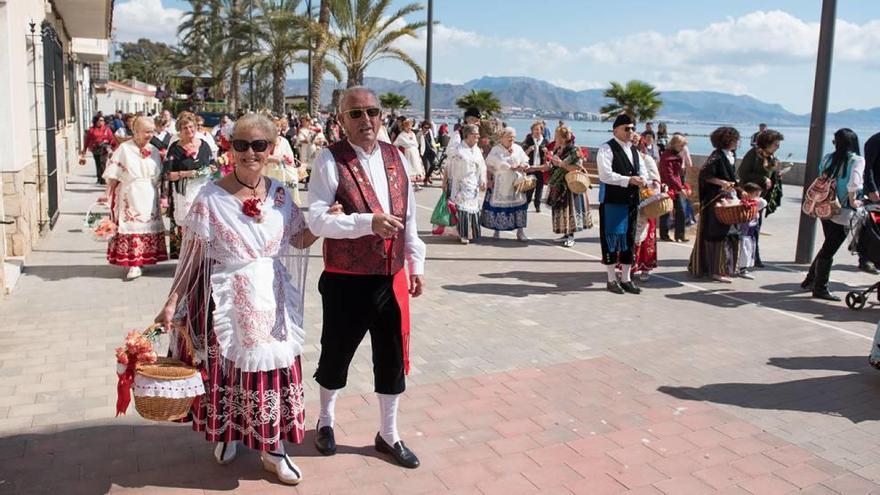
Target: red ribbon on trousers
x=123 y=387
x=400 y=284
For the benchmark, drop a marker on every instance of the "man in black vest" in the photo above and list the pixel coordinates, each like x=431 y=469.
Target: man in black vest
x=620 y=175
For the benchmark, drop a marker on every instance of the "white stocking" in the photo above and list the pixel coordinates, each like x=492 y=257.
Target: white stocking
x=625 y=273
x=388 y=416
x=328 y=407
x=612 y=275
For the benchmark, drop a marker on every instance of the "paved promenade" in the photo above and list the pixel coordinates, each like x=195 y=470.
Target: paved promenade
x=528 y=377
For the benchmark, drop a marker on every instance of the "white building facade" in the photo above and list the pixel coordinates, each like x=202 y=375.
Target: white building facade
x=46 y=47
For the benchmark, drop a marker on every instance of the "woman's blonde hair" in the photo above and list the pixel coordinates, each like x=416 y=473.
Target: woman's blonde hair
x=677 y=142
x=258 y=121
x=564 y=133
x=507 y=131
x=138 y=120
x=186 y=118
x=470 y=129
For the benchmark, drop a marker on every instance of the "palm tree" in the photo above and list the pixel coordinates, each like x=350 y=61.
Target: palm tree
x=637 y=99
x=204 y=41
x=393 y=102
x=484 y=100
x=281 y=36
x=320 y=45
x=365 y=32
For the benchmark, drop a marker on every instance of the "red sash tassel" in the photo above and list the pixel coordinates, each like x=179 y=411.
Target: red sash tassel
x=123 y=388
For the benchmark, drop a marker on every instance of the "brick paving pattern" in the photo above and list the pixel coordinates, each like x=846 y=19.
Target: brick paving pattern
x=528 y=378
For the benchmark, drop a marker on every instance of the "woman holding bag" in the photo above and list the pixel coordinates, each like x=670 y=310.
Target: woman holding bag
x=846 y=168
x=570 y=212
x=504 y=208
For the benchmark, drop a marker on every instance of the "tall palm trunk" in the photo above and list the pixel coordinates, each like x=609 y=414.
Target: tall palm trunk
x=320 y=50
x=355 y=76
x=278 y=74
x=234 y=88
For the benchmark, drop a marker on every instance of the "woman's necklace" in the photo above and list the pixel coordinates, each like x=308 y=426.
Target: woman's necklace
x=251 y=207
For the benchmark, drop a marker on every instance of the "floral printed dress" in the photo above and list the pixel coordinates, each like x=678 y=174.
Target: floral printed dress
x=241 y=320
x=134 y=205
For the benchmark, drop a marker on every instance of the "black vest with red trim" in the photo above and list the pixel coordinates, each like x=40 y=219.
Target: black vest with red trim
x=370 y=254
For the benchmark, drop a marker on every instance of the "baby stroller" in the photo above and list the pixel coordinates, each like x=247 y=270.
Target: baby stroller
x=866 y=242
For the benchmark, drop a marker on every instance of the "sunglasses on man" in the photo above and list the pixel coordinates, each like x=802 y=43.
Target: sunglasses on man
x=241 y=145
x=357 y=113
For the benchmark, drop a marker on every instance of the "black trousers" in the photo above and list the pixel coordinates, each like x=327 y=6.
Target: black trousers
x=354 y=305
x=610 y=257
x=100 y=164
x=678 y=219
x=835 y=235
x=430 y=161
x=538 y=191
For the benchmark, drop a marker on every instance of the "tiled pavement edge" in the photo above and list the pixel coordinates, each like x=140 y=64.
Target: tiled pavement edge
x=587 y=427
x=759 y=350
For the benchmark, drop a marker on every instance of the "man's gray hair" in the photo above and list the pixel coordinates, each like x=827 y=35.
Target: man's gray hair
x=355 y=89
x=470 y=129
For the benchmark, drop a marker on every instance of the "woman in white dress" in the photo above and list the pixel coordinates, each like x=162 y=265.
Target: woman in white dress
x=309 y=140
x=467 y=176
x=133 y=174
x=504 y=208
x=408 y=144
x=281 y=165
x=237 y=306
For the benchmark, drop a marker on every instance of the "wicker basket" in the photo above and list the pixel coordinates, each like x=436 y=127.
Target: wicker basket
x=578 y=182
x=736 y=214
x=164 y=370
x=525 y=183
x=657 y=209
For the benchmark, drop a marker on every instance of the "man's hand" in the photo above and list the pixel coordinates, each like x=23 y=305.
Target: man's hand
x=637 y=180
x=873 y=196
x=385 y=225
x=416 y=284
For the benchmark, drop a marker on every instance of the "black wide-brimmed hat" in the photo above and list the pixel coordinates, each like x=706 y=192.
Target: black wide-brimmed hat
x=623 y=119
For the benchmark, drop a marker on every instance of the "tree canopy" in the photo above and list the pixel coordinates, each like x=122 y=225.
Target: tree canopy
x=637 y=99
x=484 y=100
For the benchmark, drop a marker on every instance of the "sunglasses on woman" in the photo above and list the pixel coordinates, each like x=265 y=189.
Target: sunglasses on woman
x=357 y=113
x=259 y=146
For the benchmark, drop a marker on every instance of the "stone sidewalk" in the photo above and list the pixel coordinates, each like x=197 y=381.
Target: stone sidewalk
x=512 y=343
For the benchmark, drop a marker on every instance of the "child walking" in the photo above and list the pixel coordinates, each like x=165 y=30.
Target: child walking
x=748 y=232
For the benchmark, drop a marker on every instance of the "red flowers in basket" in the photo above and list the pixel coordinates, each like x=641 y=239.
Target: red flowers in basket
x=137 y=348
x=251 y=207
x=105 y=230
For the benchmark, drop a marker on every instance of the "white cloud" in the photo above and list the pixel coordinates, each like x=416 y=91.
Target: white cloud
x=577 y=84
x=149 y=19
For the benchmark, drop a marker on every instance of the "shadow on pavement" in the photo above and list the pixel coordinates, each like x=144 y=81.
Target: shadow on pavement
x=95 y=458
x=855 y=396
x=54 y=273
x=785 y=297
x=551 y=283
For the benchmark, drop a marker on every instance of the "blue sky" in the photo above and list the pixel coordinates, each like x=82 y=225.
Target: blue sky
x=763 y=49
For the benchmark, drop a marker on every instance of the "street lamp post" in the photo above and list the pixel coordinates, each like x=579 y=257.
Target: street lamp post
x=428 y=61
x=807 y=229
x=309 y=101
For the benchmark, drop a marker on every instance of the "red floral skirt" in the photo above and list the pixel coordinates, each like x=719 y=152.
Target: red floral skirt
x=137 y=249
x=646 y=251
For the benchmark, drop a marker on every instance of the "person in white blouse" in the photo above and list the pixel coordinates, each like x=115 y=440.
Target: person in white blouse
x=620 y=175
x=367 y=252
x=504 y=207
x=409 y=144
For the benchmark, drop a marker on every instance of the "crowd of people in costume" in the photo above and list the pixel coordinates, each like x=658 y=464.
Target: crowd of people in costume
x=229 y=200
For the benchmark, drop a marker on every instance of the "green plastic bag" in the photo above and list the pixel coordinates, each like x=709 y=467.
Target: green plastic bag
x=441 y=214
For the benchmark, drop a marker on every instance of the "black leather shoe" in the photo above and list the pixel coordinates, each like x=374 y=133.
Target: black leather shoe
x=630 y=287
x=825 y=295
x=325 y=441
x=400 y=452
x=868 y=267
x=614 y=287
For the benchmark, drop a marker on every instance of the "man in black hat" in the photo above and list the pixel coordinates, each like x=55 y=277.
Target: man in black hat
x=620 y=175
x=471 y=117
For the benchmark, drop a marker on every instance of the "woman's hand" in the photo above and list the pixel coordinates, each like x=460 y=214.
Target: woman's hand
x=727 y=185
x=166 y=315
x=173 y=176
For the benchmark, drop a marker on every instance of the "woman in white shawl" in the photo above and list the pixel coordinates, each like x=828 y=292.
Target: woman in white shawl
x=408 y=144
x=236 y=305
x=504 y=208
x=309 y=139
x=281 y=165
x=467 y=178
x=645 y=252
x=133 y=173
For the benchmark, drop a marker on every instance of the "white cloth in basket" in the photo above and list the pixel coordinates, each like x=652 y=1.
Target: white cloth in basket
x=181 y=388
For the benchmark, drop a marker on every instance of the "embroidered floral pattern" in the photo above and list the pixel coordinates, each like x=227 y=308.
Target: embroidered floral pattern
x=257 y=324
x=136 y=249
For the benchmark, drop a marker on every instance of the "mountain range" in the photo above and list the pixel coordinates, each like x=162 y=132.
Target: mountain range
x=541 y=96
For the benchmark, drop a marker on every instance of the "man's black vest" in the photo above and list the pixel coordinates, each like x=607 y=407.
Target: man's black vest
x=620 y=164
